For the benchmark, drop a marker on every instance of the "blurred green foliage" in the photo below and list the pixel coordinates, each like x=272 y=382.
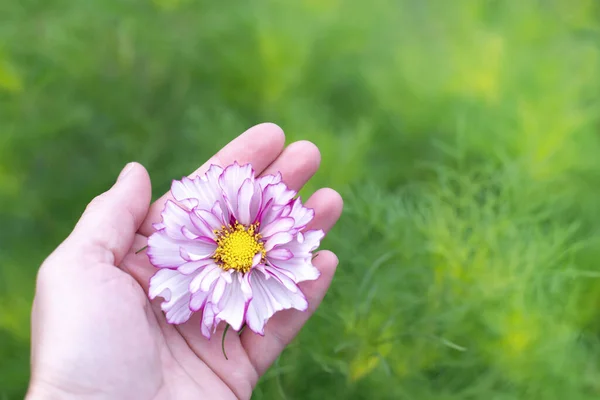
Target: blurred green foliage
x=463 y=135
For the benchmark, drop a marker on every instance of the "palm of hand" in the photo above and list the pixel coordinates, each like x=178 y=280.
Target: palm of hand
x=96 y=334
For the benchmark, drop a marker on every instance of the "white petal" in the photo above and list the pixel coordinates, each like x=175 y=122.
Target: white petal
x=231 y=181
x=278 y=239
x=209 y=218
x=218 y=290
x=280 y=254
x=266 y=180
x=209 y=321
x=204 y=279
x=299 y=269
x=270 y=296
x=193 y=266
x=200 y=192
x=280 y=193
x=302 y=215
x=274 y=197
x=164 y=251
x=173 y=287
x=244 y=200
x=174 y=219
x=256 y=204
x=233 y=304
x=304 y=244
x=201 y=225
x=198 y=300
x=195 y=250
x=284 y=279
x=278 y=225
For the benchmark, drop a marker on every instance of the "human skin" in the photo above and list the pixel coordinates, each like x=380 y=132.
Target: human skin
x=96 y=335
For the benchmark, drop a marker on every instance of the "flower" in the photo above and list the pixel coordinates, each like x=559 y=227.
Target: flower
x=232 y=246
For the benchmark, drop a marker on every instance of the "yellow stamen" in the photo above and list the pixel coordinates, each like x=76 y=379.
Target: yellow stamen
x=237 y=246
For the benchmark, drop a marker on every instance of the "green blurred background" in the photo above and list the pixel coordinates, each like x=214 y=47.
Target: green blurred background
x=464 y=136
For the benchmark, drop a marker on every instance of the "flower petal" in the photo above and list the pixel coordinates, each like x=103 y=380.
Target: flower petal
x=211 y=219
x=301 y=214
x=280 y=254
x=201 y=191
x=209 y=322
x=297 y=268
x=278 y=225
x=174 y=219
x=244 y=200
x=173 y=287
x=282 y=277
x=231 y=181
x=233 y=304
x=270 y=296
x=274 y=197
x=195 y=250
x=267 y=180
x=278 y=239
x=204 y=279
x=300 y=265
x=198 y=300
x=164 y=251
x=193 y=266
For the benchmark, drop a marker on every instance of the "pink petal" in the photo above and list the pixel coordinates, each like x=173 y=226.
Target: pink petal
x=218 y=290
x=279 y=225
x=195 y=250
x=187 y=234
x=174 y=219
x=173 y=287
x=209 y=322
x=164 y=251
x=201 y=225
x=274 y=198
x=280 y=193
x=210 y=219
x=305 y=243
x=267 y=180
x=299 y=269
x=301 y=214
x=204 y=279
x=193 y=266
x=256 y=259
x=244 y=200
x=283 y=278
x=233 y=304
x=231 y=181
x=200 y=192
x=278 y=239
x=198 y=300
x=280 y=254
x=256 y=204
x=270 y=296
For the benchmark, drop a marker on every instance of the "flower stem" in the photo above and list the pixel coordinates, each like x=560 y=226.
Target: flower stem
x=142 y=249
x=223 y=341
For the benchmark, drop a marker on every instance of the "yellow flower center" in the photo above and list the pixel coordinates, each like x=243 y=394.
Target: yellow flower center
x=237 y=246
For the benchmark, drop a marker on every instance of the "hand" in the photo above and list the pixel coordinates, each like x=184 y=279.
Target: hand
x=96 y=335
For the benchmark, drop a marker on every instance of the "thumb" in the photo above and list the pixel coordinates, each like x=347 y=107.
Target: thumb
x=107 y=227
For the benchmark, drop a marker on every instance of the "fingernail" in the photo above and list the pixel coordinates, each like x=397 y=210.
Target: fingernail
x=125 y=171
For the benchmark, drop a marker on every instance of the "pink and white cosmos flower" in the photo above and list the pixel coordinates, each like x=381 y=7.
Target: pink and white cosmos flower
x=232 y=246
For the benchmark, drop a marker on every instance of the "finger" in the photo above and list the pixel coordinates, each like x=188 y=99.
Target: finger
x=259 y=146
x=107 y=227
x=297 y=164
x=285 y=325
